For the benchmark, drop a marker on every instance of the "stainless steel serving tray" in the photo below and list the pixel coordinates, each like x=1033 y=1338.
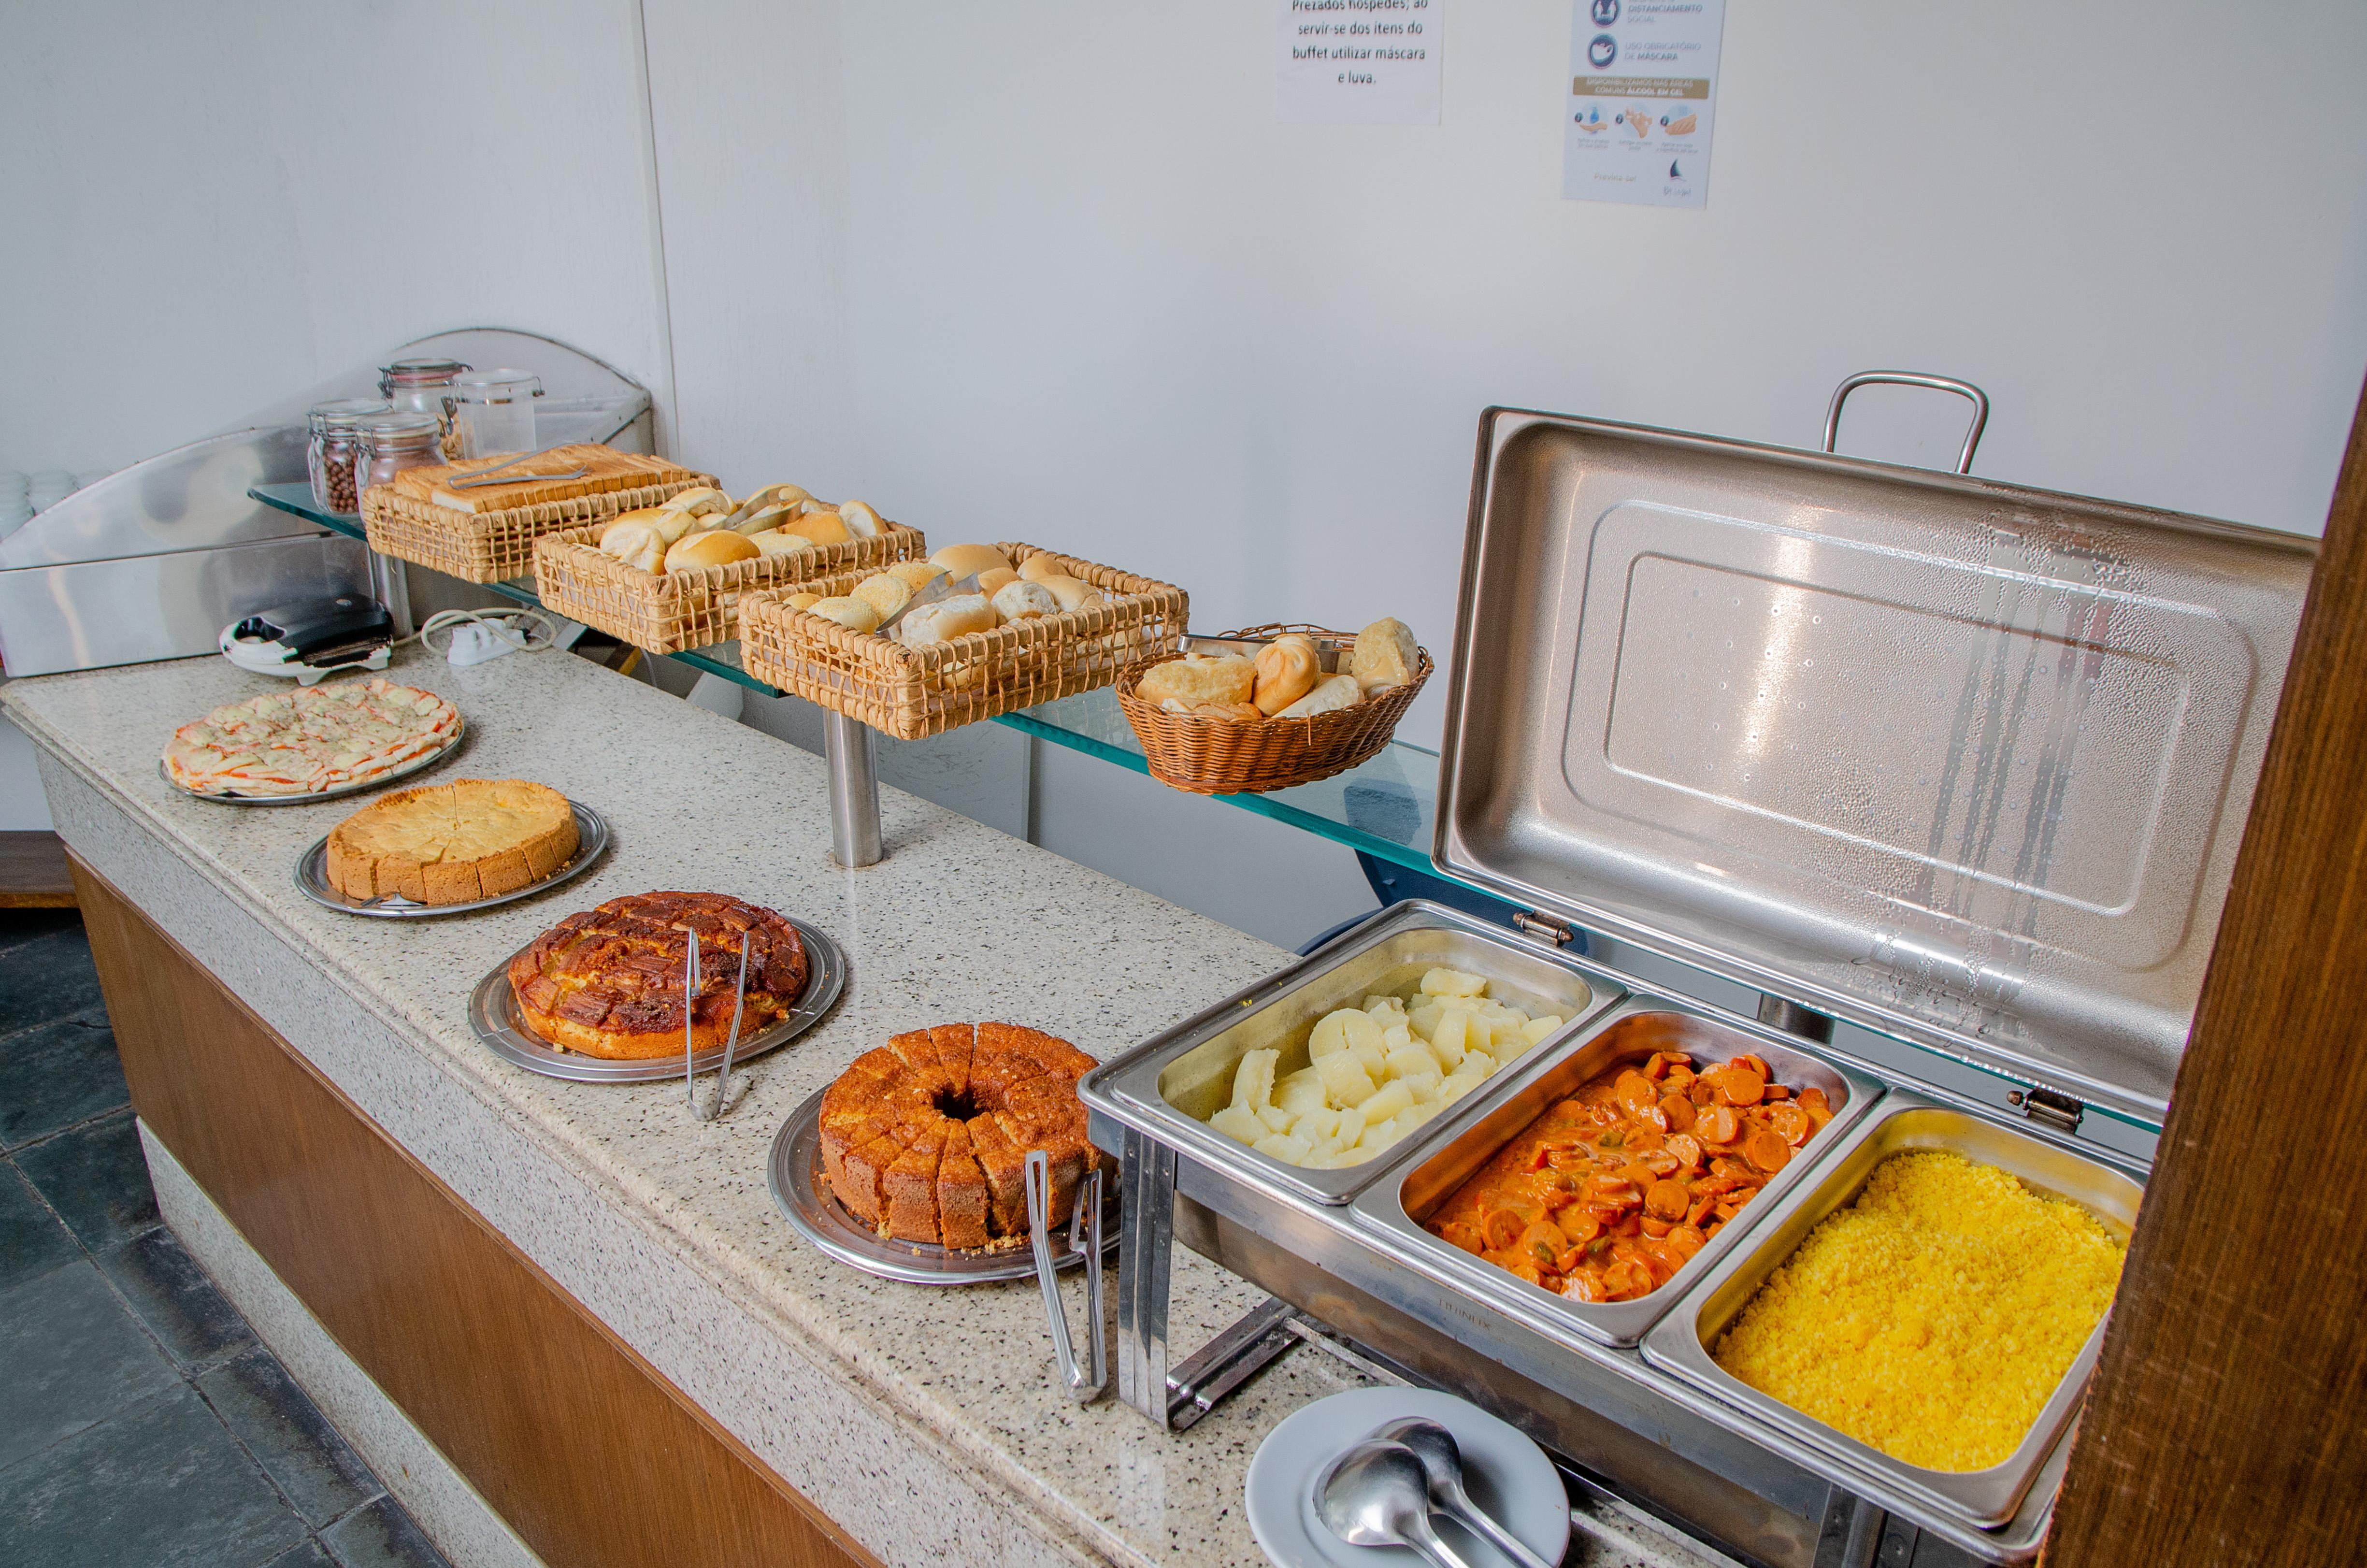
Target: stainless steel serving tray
x=801 y=1192
x=312 y=877
x=1959 y=761
x=1170 y=1084
x=1638 y=1028
x=1984 y=1498
x=493 y=1014
x=444 y=753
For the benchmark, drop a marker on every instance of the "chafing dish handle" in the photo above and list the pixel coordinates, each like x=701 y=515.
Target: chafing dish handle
x=1980 y=400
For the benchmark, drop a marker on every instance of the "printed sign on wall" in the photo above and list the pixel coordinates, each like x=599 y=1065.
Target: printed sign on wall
x=1359 y=63
x=1643 y=83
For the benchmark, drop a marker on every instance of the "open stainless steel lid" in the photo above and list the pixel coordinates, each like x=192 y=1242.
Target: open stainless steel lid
x=1959 y=761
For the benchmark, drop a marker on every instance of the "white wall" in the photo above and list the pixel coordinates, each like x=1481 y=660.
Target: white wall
x=1097 y=296
x=210 y=207
x=1048 y=270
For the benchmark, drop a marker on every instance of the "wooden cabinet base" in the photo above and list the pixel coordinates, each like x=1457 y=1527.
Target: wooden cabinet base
x=33 y=872
x=592 y=1457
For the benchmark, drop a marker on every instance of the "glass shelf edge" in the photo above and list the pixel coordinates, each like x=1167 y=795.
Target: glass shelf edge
x=1282 y=812
x=297 y=501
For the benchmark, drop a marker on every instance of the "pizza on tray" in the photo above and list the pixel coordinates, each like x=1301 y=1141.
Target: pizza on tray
x=310 y=740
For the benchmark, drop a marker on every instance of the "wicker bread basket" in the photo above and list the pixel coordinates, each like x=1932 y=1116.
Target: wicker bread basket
x=494 y=547
x=1228 y=756
x=916 y=692
x=665 y=612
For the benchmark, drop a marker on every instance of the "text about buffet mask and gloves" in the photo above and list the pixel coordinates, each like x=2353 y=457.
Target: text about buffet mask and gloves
x=1643 y=80
x=1358 y=63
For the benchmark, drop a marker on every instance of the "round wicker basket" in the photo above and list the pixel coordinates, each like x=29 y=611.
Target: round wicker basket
x=1228 y=756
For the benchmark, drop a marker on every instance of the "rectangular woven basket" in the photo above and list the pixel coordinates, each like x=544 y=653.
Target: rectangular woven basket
x=665 y=612
x=916 y=692
x=494 y=547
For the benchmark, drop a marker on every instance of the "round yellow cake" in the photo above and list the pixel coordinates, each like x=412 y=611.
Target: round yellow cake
x=456 y=843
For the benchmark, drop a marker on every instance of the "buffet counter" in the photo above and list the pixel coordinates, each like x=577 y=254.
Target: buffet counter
x=914 y=1424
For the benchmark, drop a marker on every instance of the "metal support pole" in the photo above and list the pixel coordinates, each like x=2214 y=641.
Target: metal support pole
x=391 y=585
x=854 y=790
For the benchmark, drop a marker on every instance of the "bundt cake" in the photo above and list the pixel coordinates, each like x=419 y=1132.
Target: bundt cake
x=925 y=1139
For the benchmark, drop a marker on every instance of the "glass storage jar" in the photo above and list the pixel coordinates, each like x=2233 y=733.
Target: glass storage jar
x=421 y=386
x=392 y=442
x=493 y=412
x=333 y=437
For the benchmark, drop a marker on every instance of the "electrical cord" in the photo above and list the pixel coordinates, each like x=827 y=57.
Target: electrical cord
x=528 y=630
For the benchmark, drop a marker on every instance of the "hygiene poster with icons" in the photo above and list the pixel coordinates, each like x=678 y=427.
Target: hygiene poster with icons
x=1643 y=80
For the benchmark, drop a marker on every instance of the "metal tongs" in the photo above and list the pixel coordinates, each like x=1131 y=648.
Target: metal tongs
x=690 y=977
x=1084 y=1232
x=483 y=476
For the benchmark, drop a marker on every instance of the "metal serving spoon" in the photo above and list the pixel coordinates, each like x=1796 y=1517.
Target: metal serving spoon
x=1378 y=1495
x=1442 y=1465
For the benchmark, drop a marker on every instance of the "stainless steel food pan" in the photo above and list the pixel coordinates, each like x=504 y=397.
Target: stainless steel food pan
x=1640 y=1027
x=1171 y=1085
x=1904 y=1121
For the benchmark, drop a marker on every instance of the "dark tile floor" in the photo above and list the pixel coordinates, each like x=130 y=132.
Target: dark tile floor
x=141 y=1421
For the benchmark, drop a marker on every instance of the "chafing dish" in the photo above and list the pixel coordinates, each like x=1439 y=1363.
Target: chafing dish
x=1958 y=763
x=1683 y=1339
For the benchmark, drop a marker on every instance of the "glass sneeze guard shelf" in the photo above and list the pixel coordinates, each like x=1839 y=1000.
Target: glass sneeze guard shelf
x=1384 y=808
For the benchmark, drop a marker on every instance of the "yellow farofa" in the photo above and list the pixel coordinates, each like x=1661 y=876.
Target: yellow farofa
x=1934 y=1318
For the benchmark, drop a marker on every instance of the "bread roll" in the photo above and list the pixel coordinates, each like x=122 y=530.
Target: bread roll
x=823 y=527
x=968 y=560
x=1024 y=601
x=779 y=542
x=803 y=601
x=1041 y=568
x=1333 y=694
x=669 y=524
x=1385 y=656
x=1287 y=669
x=948 y=619
x=1200 y=677
x=916 y=574
x=712 y=547
x=704 y=502
x=860 y=520
x=1072 y=593
x=635 y=541
x=995 y=579
x=884 y=594
x=853 y=613
x=641 y=518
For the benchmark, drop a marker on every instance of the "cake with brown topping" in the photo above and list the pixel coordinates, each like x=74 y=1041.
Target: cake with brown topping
x=609 y=982
x=926 y=1139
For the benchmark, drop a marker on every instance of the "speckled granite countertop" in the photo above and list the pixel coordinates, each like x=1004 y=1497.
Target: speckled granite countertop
x=958 y=922
x=927 y=1422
